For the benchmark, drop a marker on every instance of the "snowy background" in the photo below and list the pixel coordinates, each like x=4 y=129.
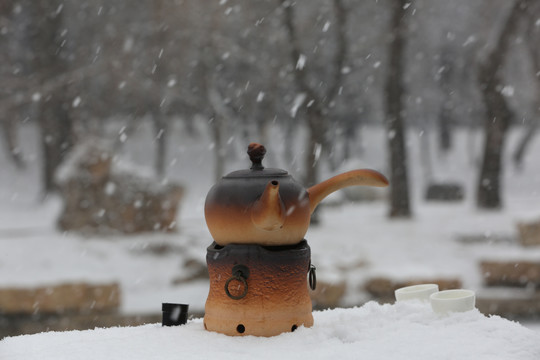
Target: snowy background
x=354 y=242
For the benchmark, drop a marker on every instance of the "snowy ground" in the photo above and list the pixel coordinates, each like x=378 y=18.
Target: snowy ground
x=355 y=240
x=408 y=330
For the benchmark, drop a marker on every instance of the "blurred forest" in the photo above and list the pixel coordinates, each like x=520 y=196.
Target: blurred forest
x=240 y=66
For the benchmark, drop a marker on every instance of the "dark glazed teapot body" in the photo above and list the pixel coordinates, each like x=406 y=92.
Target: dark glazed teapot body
x=231 y=205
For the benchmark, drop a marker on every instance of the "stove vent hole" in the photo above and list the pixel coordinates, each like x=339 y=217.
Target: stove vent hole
x=294 y=327
x=240 y=328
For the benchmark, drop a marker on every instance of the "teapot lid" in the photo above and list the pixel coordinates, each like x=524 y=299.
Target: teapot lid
x=256 y=154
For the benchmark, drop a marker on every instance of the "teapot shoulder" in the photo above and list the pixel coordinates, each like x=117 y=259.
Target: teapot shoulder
x=244 y=191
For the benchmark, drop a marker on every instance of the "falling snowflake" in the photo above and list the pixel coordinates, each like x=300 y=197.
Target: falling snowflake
x=508 y=91
x=76 y=102
x=326 y=26
x=301 y=62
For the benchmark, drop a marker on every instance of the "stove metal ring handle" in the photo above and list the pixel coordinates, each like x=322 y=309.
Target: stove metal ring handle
x=240 y=273
x=312 y=277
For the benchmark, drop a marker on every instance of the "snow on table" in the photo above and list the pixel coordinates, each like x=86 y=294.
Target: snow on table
x=407 y=330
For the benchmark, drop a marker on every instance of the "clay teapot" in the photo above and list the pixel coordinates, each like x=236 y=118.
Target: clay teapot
x=267 y=206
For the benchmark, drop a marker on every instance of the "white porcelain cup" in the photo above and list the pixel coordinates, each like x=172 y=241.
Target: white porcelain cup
x=458 y=300
x=420 y=292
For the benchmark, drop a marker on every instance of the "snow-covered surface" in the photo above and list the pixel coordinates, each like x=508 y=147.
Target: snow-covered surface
x=408 y=330
x=355 y=241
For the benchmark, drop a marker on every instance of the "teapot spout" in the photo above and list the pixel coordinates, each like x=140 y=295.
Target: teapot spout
x=268 y=213
x=364 y=177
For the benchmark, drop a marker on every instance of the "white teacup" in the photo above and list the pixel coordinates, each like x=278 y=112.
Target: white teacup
x=457 y=300
x=420 y=292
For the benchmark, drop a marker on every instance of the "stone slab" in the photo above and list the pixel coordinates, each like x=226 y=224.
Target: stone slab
x=69 y=297
x=511 y=273
x=382 y=288
x=529 y=233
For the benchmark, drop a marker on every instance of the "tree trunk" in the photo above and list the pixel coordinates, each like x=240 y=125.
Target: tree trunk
x=445 y=115
x=498 y=113
x=316 y=116
x=531 y=129
x=394 y=89
x=56 y=138
x=445 y=130
x=316 y=141
x=160 y=120
x=9 y=134
x=524 y=142
x=161 y=135
x=219 y=165
x=425 y=155
x=55 y=122
x=351 y=137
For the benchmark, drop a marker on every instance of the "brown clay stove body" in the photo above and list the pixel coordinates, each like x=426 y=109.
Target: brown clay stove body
x=258 y=290
x=259 y=262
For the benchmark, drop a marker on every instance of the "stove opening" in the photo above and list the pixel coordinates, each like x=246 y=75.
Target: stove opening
x=240 y=328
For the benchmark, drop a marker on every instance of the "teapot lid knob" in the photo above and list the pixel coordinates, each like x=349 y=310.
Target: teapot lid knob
x=256 y=153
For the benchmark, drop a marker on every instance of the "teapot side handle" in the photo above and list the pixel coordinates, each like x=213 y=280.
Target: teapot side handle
x=361 y=177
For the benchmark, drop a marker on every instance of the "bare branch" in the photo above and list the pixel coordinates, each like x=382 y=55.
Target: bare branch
x=341 y=52
x=300 y=72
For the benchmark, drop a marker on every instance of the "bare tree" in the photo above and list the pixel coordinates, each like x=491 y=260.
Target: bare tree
x=498 y=112
x=9 y=134
x=54 y=120
x=394 y=90
x=317 y=103
x=445 y=116
x=160 y=31
x=534 y=123
x=8 y=126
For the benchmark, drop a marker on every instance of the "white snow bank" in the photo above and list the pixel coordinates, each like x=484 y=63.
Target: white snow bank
x=403 y=331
